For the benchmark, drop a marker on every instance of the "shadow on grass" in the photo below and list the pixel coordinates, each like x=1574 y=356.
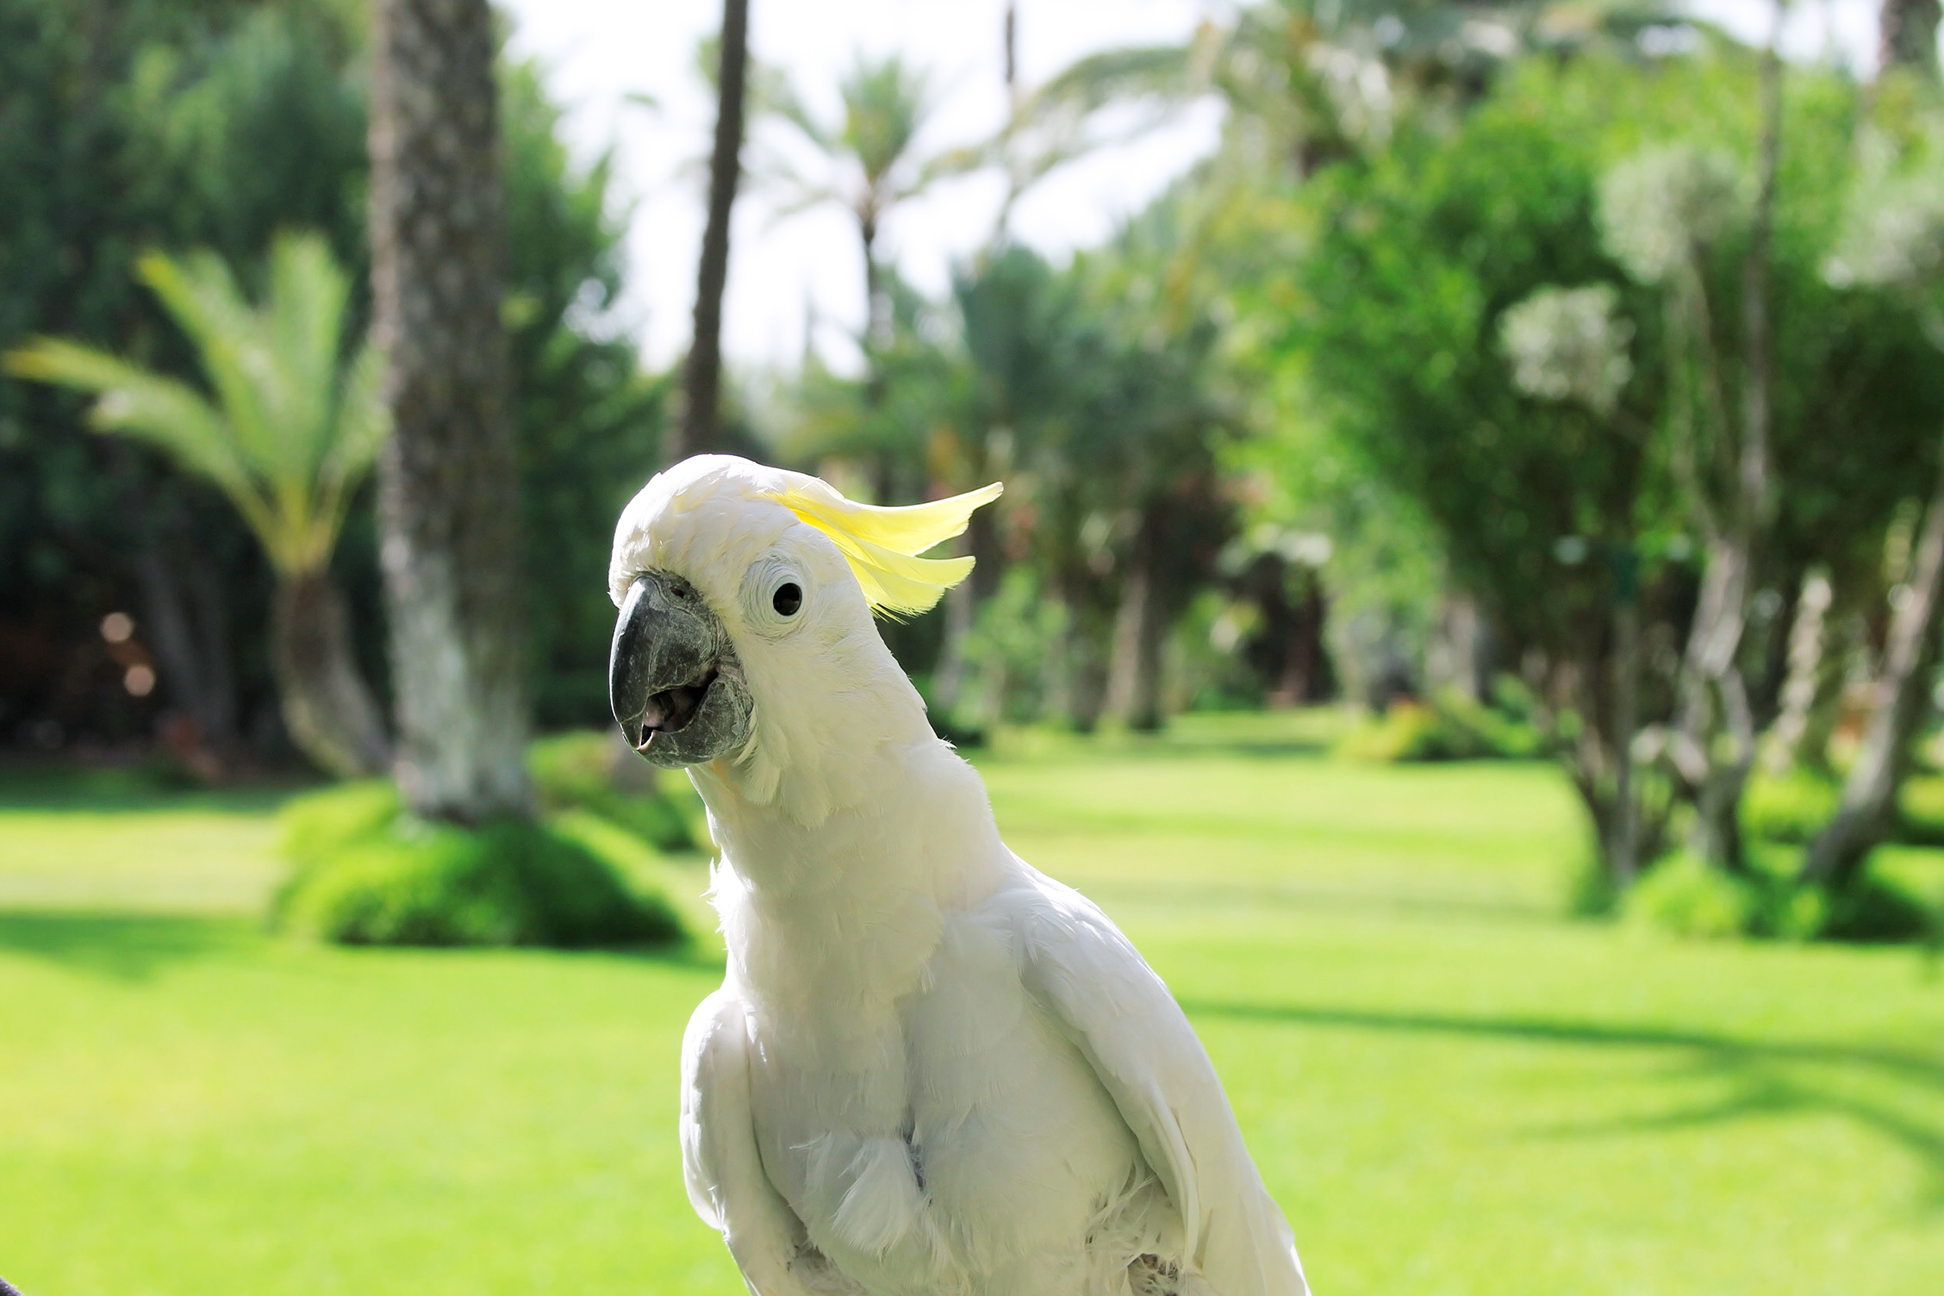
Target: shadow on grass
x=1190 y=894
x=135 y=947
x=125 y=947
x=1761 y=1088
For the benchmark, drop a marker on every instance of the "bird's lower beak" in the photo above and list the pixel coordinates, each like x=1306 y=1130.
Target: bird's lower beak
x=673 y=681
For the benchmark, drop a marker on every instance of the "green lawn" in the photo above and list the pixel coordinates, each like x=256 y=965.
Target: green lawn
x=1450 y=1088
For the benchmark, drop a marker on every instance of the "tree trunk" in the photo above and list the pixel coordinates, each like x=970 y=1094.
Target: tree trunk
x=1870 y=795
x=327 y=709
x=700 y=427
x=448 y=488
x=1715 y=746
x=1083 y=680
x=1811 y=694
x=1907 y=35
x=195 y=665
x=1134 y=688
x=962 y=604
x=1624 y=852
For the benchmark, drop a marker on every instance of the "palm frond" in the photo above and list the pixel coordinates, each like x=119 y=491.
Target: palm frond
x=160 y=411
x=290 y=431
x=303 y=323
x=201 y=296
x=363 y=423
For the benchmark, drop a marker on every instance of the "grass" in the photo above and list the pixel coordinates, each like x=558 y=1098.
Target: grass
x=1450 y=1088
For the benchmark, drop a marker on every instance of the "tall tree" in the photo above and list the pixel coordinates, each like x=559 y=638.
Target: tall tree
x=702 y=373
x=449 y=495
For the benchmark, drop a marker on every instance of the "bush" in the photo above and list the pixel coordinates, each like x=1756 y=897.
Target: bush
x=1791 y=807
x=1453 y=727
x=1683 y=896
x=575 y=771
x=1877 y=910
x=1920 y=811
x=369 y=874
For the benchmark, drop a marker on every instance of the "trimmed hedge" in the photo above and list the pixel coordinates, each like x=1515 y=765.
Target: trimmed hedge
x=369 y=874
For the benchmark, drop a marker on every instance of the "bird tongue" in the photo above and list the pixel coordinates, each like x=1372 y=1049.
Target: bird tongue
x=670 y=710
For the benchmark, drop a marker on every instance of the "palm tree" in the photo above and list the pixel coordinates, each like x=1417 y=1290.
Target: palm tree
x=702 y=373
x=291 y=430
x=873 y=166
x=449 y=489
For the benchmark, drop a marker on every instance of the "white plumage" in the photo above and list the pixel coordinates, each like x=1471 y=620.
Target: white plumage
x=930 y=1068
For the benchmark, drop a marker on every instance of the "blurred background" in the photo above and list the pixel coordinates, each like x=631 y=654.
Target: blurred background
x=1466 y=599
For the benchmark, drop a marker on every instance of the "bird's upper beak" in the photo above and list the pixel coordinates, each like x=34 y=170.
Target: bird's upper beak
x=674 y=683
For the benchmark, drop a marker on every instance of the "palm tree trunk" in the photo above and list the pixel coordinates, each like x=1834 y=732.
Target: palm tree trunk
x=449 y=493
x=326 y=706
x=699 y=429
x=1870 y=795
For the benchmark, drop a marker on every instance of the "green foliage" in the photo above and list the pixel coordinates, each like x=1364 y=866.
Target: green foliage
x=1450 y=727
x=1791 y=807
x=1920 y=810
x=1685 y=896
x=1794 y=806
x=367 y=874
x=297 y=417
x=576 y=771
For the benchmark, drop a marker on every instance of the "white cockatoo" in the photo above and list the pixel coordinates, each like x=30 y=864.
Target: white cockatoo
x=930 y=1068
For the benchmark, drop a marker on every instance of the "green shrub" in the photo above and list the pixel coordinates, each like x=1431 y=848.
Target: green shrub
x=1877 y=910
x=1791 y=807
x=1453 y=727
x=1684 y=896
x=1920 y=810
x=575 y=771
x=369 y=874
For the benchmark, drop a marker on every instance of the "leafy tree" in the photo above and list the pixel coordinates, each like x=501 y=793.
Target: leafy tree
x=292 y=430
x=1894 y=237
x=1392 y=320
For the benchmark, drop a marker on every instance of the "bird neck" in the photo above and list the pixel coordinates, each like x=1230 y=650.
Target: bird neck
x=845 y=914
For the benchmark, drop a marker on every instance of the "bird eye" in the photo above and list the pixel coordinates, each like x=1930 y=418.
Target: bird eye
x=787 y=599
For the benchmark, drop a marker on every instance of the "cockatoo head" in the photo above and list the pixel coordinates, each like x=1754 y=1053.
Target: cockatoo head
x=746 y=596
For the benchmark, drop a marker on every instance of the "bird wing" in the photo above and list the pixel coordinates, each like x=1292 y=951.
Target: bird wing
x=1112 y=1006
x=724 y=1172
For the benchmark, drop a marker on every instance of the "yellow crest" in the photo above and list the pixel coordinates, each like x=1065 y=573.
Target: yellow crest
x=882 y=544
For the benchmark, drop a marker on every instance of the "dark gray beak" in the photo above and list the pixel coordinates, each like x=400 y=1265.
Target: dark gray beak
x=674 y=683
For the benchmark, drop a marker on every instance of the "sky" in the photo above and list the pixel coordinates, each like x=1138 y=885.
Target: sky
x=790 y=274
